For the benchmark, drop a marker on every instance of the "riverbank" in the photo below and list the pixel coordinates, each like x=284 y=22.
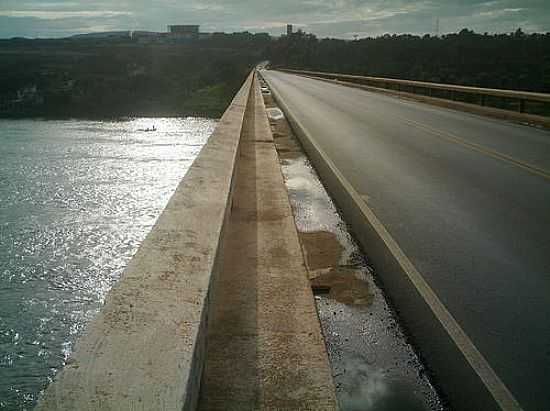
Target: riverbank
x=60 y=79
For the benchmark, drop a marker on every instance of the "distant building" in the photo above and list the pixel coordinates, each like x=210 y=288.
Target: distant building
x=184 y=32
x=289 y=29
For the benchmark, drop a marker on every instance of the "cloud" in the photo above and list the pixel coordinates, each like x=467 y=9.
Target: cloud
x=338 y=18
x=499 y=13
x=57 y=15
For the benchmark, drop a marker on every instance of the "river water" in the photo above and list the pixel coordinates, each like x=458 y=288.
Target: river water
x=76 y=200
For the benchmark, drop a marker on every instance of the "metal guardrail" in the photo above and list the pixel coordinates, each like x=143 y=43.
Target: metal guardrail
x=401 y=85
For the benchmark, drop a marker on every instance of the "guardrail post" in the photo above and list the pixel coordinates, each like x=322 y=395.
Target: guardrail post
x=482 y=99
x=522 y=106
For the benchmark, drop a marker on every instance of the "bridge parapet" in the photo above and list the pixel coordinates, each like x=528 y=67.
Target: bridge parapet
x=145 y=350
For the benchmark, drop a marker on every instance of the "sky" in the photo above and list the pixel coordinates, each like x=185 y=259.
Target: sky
x=325 y=18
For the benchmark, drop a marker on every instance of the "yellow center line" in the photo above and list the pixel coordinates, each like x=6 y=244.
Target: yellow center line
x=478 y=148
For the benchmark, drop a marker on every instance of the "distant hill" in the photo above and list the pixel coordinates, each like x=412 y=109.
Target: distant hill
x=101 y=35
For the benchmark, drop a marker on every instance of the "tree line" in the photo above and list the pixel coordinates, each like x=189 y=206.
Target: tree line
x=98 y=78
x=515 y=61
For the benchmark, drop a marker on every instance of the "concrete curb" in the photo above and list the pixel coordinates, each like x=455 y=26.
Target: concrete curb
x=265 y=347
x=145 y=350
x=464 y=375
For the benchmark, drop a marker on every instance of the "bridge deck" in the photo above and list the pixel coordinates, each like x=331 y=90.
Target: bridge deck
x=467 y=200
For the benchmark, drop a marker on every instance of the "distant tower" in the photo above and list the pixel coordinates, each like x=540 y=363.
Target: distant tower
x=289 y=29
x=437 y=27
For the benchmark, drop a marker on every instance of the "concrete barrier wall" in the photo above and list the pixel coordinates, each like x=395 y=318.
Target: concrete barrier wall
x=467 y=380
x=382 y=85
x=385 y=82
x=145 y=349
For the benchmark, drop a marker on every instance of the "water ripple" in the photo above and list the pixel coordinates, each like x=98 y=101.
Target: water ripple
x=76 y=200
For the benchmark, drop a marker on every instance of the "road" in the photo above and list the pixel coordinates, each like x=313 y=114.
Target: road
x=467 y=199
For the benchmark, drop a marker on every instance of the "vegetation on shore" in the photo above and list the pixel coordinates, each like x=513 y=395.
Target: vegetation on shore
x=99 y=78
x=106 y=79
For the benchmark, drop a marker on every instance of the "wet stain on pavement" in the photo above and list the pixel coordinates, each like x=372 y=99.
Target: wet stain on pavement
x=342 y=284
x=321 y=249
x=323 y=253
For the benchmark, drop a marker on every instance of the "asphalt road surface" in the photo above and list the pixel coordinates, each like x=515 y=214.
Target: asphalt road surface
x=467 y=198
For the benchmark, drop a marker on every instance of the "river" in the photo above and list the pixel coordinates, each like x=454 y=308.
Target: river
x=76 y=200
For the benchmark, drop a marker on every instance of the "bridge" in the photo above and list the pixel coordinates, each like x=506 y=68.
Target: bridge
x=215 y=311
